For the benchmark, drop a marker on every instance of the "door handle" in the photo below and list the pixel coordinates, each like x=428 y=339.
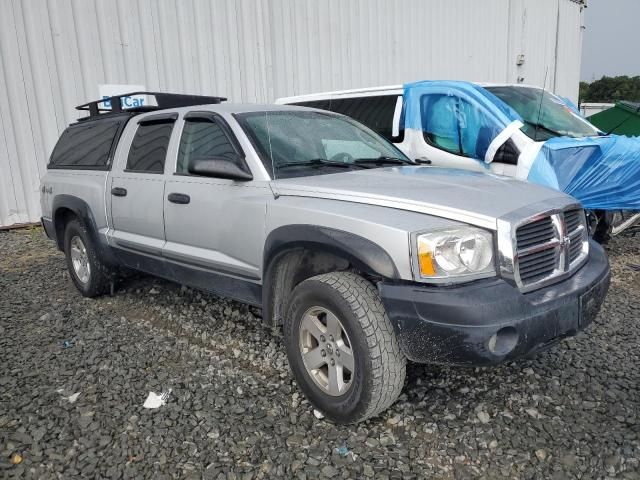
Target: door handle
x=119 y=192
x=179 y=198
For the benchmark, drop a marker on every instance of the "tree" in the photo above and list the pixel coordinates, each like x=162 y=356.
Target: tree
x=611 y=89
x=584 y=91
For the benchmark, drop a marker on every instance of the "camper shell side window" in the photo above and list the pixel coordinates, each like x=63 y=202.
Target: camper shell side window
x=88 y=145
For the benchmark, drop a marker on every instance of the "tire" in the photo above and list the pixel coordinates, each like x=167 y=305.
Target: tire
x=98 y=275
x=602 y=233
x=379 y=367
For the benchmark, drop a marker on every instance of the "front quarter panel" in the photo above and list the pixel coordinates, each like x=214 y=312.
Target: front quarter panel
x=388 y=228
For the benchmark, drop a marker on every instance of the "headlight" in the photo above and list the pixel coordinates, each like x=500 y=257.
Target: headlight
x=456 y=253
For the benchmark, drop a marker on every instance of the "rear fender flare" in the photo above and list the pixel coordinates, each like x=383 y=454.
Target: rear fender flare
x=80 y=209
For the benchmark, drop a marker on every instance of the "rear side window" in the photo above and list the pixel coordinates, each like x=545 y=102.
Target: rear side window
x=202 y=138
x=149 y=147
x=375 y=112
x=86 y=146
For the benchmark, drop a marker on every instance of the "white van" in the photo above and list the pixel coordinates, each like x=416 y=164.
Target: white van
x=519 y=131
x=455 y=124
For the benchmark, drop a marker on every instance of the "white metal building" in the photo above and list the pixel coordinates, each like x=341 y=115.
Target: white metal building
x=591 y=108
x=54 y=54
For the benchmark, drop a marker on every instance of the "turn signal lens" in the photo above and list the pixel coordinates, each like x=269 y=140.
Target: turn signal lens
x=427 y=268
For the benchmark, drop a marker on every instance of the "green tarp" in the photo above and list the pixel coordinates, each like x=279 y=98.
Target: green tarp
x=622 y=119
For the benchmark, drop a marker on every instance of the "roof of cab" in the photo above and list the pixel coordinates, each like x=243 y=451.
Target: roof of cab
x=231 y=108
x=375 y=91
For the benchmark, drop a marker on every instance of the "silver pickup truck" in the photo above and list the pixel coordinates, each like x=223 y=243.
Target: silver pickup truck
x=365 y=258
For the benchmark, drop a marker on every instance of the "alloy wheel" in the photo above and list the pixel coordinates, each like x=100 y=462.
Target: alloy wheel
x=326 y=351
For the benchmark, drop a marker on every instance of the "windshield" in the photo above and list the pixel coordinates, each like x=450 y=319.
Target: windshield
x=294 y=143
x=551 y=118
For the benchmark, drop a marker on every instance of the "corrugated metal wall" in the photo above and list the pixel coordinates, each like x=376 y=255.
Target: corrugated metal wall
x=55 y=53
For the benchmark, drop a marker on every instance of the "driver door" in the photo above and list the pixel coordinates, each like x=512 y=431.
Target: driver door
x=457 y=132
x=213 y=226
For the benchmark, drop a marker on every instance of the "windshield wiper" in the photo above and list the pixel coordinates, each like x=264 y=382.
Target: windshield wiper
x=544 y=127
x=383 y=160
x=318 y=163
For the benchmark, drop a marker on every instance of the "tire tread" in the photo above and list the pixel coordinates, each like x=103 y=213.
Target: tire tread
x=388 y=361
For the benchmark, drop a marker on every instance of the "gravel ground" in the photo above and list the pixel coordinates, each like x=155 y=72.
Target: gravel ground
x=76 y=372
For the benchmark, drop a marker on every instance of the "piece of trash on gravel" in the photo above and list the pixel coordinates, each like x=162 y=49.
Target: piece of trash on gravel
x=16 y=459
x=68 y=343
x=318 y=414
x=156 y=401
x=343 y=451
x=73 y=397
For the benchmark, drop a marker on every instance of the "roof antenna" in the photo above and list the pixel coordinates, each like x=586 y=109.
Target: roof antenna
x=535 y=135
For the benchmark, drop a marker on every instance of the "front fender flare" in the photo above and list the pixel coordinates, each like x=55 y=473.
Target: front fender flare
x=361 y=252
x=343 y=249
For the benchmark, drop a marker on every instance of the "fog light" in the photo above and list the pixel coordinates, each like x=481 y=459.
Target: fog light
x=503 y=341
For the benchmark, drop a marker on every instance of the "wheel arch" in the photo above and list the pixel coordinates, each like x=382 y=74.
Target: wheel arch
x=66 y=207
x=294 y=253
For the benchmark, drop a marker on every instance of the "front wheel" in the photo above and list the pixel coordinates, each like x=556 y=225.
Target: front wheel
x=342 y=348
x=599 y=222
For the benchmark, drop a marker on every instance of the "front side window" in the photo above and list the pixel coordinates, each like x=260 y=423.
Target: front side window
x=453 y=124
x=201 y=139
x=440 y=124
x=297 y=143
x=149 y=147
x=544 y=114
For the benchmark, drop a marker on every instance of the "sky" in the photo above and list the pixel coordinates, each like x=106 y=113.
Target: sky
x=611 y=39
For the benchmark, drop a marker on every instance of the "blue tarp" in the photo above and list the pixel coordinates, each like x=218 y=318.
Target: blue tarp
x=478 y=97
x=601 y=172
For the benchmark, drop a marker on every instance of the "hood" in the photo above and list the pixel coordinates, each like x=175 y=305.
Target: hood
x=470 y=197
x=602 y=172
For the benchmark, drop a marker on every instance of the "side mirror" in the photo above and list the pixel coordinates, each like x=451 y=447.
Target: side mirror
x=219 y=167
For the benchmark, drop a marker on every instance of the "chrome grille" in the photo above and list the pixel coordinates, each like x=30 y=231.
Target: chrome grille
x=549 y=248
x=537 y=265
x=573 y=219
x=534 y=233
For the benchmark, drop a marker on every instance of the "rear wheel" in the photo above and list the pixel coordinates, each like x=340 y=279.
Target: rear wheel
x=342 y=348
x=90 y=276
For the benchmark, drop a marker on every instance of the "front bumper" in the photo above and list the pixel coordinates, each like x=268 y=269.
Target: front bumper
x=491 y=321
